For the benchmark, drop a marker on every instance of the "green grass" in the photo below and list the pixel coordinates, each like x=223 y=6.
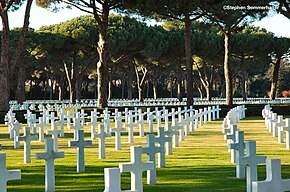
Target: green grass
x=201 y=163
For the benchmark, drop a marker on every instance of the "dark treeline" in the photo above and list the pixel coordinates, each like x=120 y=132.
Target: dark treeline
x=147 y=61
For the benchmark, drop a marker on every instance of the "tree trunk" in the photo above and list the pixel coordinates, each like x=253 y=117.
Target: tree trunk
x=60 y=90
x=154 y=91
x=243 y=79
x=4 y=64
x=171 y=90
x=130 y=83
x=227 y=70
x=275 y=78
x=147 y=89
x=71 y=78
x=110 y=90
x=188 y=56
x=78 y=87
x=20 y=90
x=123 y=87
x=179 y=96
x=103 y=51
x=140 y=95
x=208 y=90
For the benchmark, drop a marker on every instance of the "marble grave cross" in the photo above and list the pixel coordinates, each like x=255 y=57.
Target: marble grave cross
x=80 y=144
x=6 y=175
x=49 y=156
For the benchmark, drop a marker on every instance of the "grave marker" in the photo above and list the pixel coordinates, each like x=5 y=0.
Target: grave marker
x=102 y=137
x=151 y=150
x=273 y=181
x=118 y=129
x=49 y=156
x=6 y=175
x=80 y=144
x=27 y=138
x=162 y=140
x=136 y=167
x=239 y=146
x=251 y=160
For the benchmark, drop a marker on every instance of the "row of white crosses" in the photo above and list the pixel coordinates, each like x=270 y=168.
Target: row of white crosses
x=54 y=104
x=246 y=164
x=80 y=143
x=164 y=140
x=276 y=125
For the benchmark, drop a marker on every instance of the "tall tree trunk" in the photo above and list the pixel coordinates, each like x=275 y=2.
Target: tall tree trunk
x=154 y=91
x=103 y=50
x=20 y=90
x=171 y=89
x=147 y=89
x=275 y=78
x=5 y=62
x=110 y=90
x=7 y=67
x=123 y=87
x=71 y=78
x=227 y=70
x=208 y=90
x=179 y=96
x=188 y=56
x=243 y=79
x=78 y=87
x=130 y=83
x=60 y=89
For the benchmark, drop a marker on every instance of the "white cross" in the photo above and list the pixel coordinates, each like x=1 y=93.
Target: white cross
x=54 y=132
x=130 y=125
x=136 y=167
x=82 y=116
x=151 y=150
x=161 y=140
x=251 y=160
x=16 y=127
x=280 y=124
x=49 y=156
x=6 y=175
x=141 y=123
x=27 y=138
x=68 y=118
x=93 y=123
x=287 y=130
x=158 y=118
x=239 y=146
x=274 y=120
x=273 y=181
x=173 y=132
x=118 y=129
x=61 y=121
x=42 y=124
x=80 y=144
x=150 y=118
x=102 y=145
x=77 y=125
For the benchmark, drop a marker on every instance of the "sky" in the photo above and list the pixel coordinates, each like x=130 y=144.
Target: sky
x=277 y=23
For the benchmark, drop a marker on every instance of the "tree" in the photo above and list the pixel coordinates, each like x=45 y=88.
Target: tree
x=284 y=7
x=207 y=48
x=230 y=20
x=183 y=10
x=8 y=60
x=281 y=47
x=251 y=46
x=100 y=10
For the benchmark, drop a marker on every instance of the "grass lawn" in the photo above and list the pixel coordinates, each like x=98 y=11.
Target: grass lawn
x=201 y=163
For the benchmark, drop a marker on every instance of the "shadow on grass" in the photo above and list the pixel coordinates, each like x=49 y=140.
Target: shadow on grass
x=177 y=179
